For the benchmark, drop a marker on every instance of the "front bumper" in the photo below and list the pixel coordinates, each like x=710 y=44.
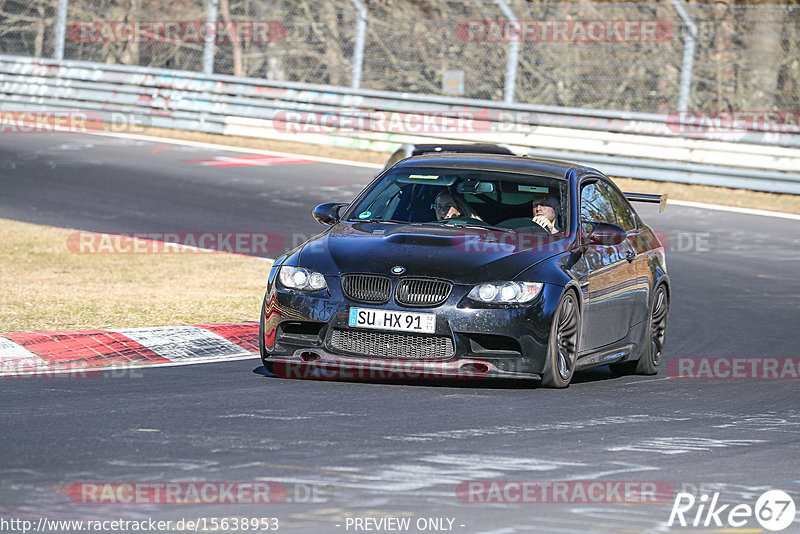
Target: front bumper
x=318 y=363
x=487 y=342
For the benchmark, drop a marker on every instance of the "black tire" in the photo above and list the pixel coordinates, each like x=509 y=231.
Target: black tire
x=653 y=348
x=565 y=334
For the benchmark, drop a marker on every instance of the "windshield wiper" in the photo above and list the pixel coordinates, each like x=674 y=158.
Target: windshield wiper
x=444 y=222
x=395 y=221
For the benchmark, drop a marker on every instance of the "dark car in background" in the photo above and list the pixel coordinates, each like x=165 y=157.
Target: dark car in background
x=483 y=291
x=408 y=150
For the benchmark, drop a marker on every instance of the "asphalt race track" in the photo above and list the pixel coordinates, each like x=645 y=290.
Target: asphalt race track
x=396 y=450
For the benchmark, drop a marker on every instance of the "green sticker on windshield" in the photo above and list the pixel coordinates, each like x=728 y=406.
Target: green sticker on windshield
x=364 y=215
x=424 y=177
x=532 y=189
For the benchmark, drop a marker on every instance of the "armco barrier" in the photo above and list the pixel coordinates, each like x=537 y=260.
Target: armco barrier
x=635 y=145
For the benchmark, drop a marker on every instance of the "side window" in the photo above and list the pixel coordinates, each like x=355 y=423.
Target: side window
x=622 y=211
x=596 y=205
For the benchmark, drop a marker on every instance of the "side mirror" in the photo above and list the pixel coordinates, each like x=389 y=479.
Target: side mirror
x=327 y=213
x=605 y=234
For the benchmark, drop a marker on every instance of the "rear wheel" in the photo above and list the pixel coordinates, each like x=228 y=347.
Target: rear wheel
x=648 y=362
x=563 y=346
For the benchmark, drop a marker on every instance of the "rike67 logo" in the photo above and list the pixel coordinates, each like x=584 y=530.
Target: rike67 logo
x=774 y=511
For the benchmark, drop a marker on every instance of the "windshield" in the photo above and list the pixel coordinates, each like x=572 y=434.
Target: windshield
x=424 y=195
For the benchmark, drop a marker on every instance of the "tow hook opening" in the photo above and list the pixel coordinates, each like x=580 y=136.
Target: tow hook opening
x=308 y=356
x=474 y=368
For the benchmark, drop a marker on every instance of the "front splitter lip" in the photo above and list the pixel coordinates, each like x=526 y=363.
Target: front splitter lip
x=321 y=364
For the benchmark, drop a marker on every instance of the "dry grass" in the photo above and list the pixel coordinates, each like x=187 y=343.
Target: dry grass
x=696 y=193
x=44 y=286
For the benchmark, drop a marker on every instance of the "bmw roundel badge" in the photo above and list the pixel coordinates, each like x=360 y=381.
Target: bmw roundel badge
x=398 y=269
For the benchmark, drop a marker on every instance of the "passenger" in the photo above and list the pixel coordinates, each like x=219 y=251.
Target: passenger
x=544 y=212
x=446 y=207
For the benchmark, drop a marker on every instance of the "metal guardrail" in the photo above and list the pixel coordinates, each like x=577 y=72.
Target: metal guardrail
x=636 y=145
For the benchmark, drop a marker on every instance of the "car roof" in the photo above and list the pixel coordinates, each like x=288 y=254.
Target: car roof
x=492 y=162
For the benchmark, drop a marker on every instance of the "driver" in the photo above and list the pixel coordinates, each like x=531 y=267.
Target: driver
x=544 y=212
x=446 y=207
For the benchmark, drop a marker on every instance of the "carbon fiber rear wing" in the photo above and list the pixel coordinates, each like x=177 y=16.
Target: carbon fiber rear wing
x=661 y=200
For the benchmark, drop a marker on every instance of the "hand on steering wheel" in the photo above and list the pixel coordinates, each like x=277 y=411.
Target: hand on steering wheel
x=545 y=223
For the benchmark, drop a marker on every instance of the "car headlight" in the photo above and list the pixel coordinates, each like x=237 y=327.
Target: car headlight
x=303 y=279
x=506 y=292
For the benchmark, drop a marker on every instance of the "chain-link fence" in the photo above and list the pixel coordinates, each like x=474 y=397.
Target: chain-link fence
x=27 y=27
x=616 y=56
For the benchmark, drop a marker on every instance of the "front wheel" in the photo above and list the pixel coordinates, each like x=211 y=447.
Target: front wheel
x=562 y=350
x=262 y=349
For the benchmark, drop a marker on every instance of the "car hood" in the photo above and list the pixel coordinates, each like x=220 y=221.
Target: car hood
x=463 y=255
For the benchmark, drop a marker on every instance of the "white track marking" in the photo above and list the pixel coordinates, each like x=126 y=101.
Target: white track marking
x=231 y=148
x=12 y=352
x=469 y=433
x=17 y=360
x=181 y=343
x=647 y=381
x=681 y=445
x=734 y=209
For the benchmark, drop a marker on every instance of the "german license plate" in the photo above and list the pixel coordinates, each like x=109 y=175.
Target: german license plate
x=392 y=320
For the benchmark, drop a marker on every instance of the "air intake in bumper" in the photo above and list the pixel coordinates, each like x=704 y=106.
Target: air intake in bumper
x=392 y=345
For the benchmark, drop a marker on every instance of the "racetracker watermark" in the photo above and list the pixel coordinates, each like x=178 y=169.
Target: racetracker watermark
x=148 y=525
x=46 y=121
x=560 y=492
x=38 y=368
x=774 y=510
x=176 y=31
x=355 y=120
x=565 y=31
x=483 y=121
x=247 y=243
x=494 y=241
x=733 y=122
x=378 y=370
x=498 y=241
x=479 y=241
x=226 y=492
x=733 y=368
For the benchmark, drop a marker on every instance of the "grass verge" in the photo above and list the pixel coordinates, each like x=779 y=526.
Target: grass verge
x=44 y=286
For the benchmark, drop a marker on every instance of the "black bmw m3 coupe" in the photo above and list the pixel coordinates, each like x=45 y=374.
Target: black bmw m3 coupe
x=472 y=266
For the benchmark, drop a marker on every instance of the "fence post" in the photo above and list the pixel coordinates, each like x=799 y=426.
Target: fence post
x=210 y=36
x=688 y=55
x=61 y=29
x=358 y=48
x=513 y=53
